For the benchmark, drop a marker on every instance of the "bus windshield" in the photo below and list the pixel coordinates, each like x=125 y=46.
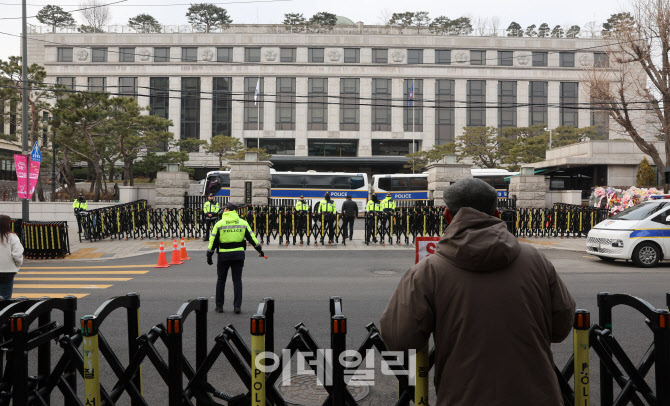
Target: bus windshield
x=215 y=182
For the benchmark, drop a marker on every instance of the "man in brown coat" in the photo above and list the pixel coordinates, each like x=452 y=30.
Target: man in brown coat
x=493 y=305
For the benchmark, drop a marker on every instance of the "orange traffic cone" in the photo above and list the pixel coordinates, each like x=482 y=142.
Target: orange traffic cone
x=175 y=254
x=182 y=251
x=162 y=259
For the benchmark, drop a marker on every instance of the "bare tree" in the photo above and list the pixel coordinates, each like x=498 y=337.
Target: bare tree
x=494 y=23
x=481 y=25
x=591 y=29
x=384 y=16
x=636 y=90
x=95 y=13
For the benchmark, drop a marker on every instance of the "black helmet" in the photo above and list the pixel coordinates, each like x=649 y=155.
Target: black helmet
x=211 y=195
x=327 y=194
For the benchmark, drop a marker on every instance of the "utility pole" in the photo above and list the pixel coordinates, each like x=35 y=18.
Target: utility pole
x=25 y=208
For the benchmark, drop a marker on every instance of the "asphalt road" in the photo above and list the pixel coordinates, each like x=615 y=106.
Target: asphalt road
x=301 y=284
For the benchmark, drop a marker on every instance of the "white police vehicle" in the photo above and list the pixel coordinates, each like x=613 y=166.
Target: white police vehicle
x=640 y=233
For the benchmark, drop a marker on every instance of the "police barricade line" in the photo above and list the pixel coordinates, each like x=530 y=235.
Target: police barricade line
x=27 y=326
x=45 y=239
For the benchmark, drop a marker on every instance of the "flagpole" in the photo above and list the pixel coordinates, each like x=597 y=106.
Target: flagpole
x=413 y=142
x=258 y=116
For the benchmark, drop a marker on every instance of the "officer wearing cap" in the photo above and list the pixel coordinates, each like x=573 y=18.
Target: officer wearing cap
x=80 y=204
x=228 y=238
x=301 y=209
x=327 y=207
x=373 y=209
x=211 y=210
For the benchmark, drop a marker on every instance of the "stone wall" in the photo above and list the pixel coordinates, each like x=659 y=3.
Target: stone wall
x=441 y=175
x=170 y=189
x=48 y=211
x=529 y=191
x=257 y=172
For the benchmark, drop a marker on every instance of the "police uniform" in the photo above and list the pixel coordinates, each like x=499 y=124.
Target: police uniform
x=373 y=208
x=228 y=237
x=78 y=206
x=301 y=208
x=327 y=206
x=388 y=207
x=210 y=207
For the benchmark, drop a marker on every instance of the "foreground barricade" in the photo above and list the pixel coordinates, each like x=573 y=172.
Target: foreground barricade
x=29 y=325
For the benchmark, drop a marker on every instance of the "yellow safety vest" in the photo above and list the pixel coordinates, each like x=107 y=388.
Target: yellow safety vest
x=232 y=233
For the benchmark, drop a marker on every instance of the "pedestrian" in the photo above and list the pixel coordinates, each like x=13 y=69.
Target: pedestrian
x=228 y=238
x=372 y=209
x=302 y=210
x=493 y=305
x=211 y=211
x=349 y=213
x=80 y=204
x=329 y=210
x=11 y=257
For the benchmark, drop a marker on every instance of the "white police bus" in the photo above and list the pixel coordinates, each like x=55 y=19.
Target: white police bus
x=313 y=185
x=415 y=186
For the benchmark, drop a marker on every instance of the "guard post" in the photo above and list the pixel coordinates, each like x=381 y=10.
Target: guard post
x=175 y=354
x=338 y=344
x=257 y=349
x=421 y=377
x=581 y=353
x=89 y=333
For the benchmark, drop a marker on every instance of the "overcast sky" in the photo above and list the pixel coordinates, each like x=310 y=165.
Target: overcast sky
x=564 y=12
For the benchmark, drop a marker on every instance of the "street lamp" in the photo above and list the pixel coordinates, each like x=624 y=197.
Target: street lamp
x=550 y=130
x=53 y=160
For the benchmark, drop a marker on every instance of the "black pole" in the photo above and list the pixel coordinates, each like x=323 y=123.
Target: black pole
x=25 y=204
x=53 y=164
x=605 y=322
x=175 y=390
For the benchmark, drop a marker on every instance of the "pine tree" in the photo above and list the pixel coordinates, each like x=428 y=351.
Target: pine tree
x=645 y=174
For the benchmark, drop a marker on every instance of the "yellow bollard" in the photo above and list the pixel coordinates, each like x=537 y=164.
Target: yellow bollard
x=257 y=348
x=421 y=378
x=581 y=351
x=89 y=331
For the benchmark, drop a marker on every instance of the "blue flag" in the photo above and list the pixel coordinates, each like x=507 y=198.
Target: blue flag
x=411 y=96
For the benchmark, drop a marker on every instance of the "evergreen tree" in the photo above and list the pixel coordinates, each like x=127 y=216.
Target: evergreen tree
x=543 y=31
x=206 y=16
x=55 y=17
x=645 y=175
x=144 y=23
x=514 y=30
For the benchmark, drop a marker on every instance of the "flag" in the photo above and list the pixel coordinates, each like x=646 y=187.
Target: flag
x=411 y=95
x=258 y=91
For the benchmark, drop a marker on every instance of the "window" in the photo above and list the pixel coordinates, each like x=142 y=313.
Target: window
x=414 y=56
x=444 y=115
x=97 y=84
x=505 y=58
x=126 y=54
x=128 y=87
x=476 y=102
x=190 y=109
x=274 y=146
x=352 y=55
x=162 y=54
x=253 y=110
x=403 y=184
x=7 y=168
x=159 y=101
x=566 y=59
x=540 y=58
x=189 y=54
x=380 y=55
x=350 y=92
x=443 y=56
x=414 y=112
x=330 y=148
x=568 y=102
x=600 y=119
x=506 y=104
x=317 y=109
x=393 y=147
x=601 y=60
x=98 y=54
x=224 y=54
x=221 y=106
x=537 y=98
x=252 y=54
x=64 y=54
x=315 y=55
x=381 y=104
x=477 y=57
x=287 y=55
x=285 y=113
x=66 y=81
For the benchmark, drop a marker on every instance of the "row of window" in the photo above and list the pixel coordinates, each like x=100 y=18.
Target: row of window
x=316 y=55
x=381 y=103
x=337 y=147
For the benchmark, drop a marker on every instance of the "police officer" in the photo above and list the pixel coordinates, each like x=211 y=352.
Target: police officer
x=373 y=208
x=327 y=207
x=388 y=207
x=80 y=204
x=301 y=209
x=228 y=238
x=211 y=210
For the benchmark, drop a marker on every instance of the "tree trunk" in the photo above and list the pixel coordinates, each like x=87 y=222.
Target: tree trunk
x=126 y=172
x=132 y=174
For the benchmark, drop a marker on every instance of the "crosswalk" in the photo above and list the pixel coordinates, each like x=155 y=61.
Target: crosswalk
x=78 y=281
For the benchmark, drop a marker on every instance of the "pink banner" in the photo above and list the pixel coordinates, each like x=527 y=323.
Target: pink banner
x=20 y=162
x=34 y=174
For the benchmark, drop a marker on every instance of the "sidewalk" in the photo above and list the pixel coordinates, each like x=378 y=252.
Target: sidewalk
x=106 y=249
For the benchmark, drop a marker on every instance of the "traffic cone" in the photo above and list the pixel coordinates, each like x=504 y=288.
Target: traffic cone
x=162 y=259
x=175 y=255
x=182 y=251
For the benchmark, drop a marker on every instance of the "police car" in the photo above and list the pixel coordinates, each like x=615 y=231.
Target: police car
x=640 y=233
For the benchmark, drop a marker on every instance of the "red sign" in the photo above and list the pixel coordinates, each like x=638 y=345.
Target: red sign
x=34 y=174
x=21 y=164
x=425 y=246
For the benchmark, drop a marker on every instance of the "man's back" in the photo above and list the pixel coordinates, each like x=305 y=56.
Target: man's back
x=493 y=305
x=349 y=208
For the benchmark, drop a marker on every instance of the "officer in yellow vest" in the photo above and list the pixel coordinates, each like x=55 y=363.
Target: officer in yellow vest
x=211 y=210
x=388 y=209
x=329 y=210
x=228 y=238
x=301 y=211
x=80 y=204
x=373 y=209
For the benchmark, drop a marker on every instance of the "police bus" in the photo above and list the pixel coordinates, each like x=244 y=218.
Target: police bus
x=415 y=186
x=313 y=185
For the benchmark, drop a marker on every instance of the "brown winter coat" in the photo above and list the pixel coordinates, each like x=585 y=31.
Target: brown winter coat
x=494 y=307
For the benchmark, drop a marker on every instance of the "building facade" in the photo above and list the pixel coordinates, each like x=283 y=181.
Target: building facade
x=332 y=101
